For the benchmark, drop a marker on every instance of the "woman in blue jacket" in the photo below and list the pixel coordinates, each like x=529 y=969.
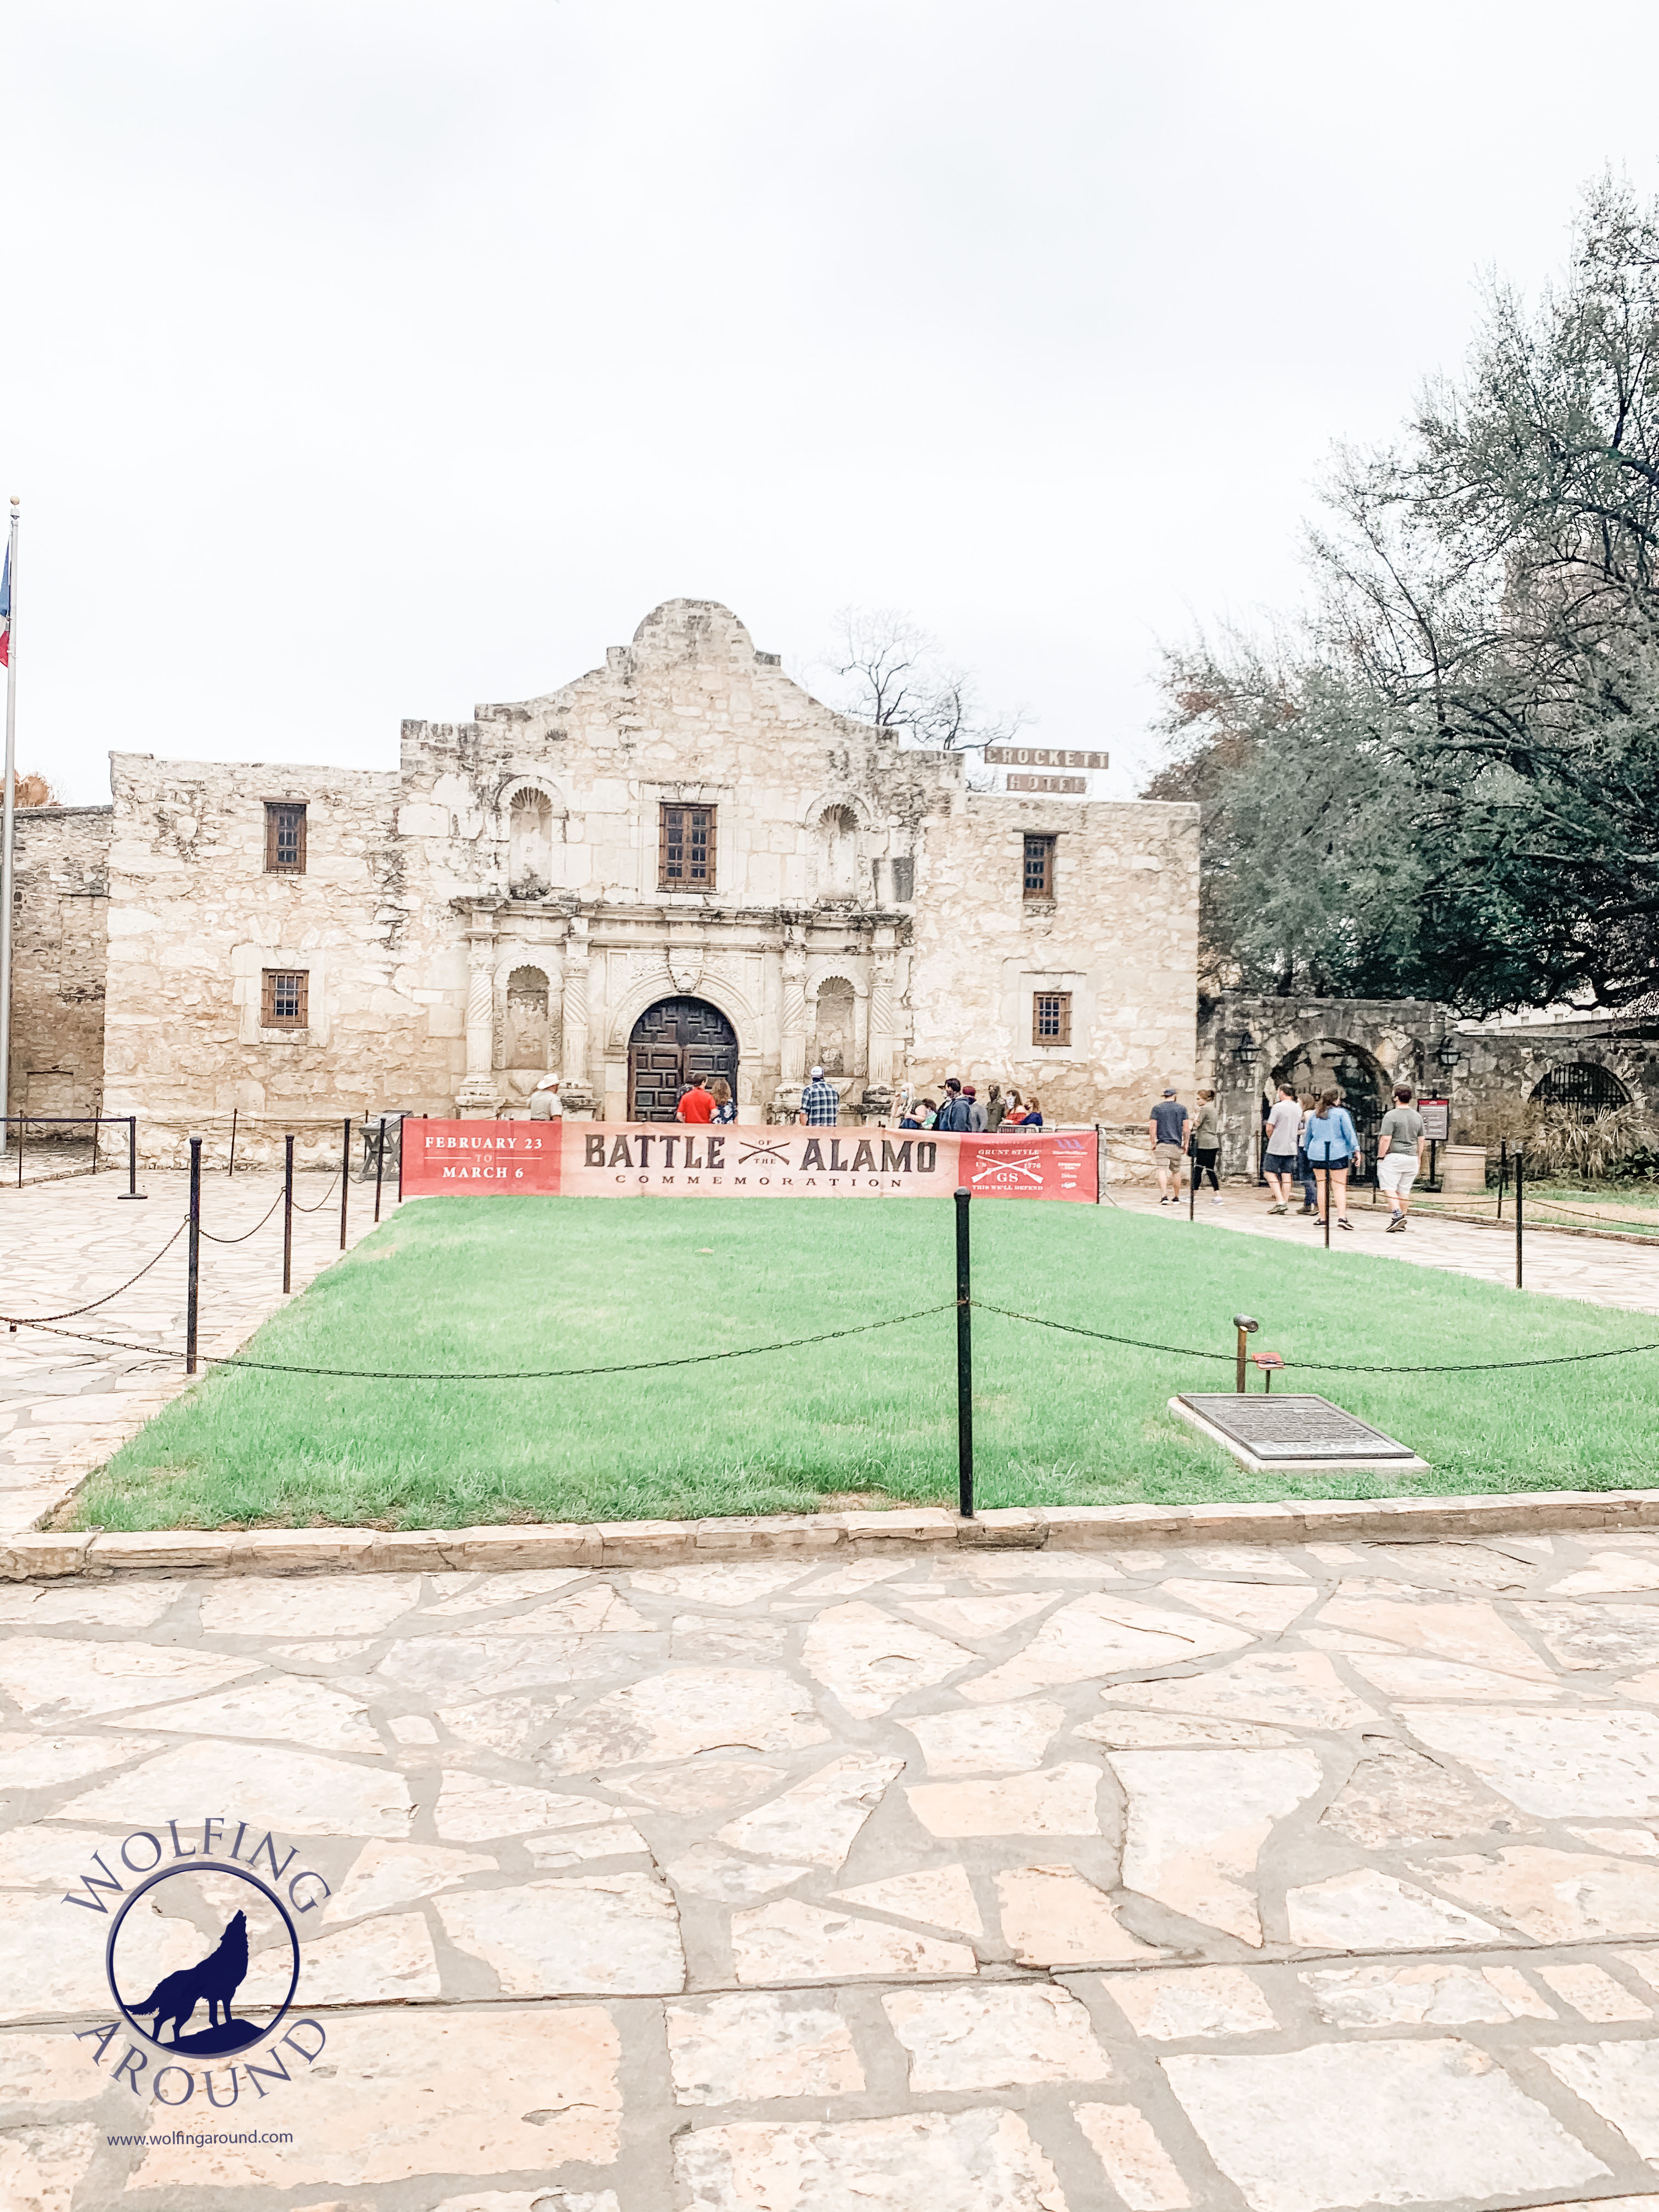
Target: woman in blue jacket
x=1333 y=1147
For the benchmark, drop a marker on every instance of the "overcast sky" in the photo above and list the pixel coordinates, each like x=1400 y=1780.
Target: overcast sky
x=373 y=358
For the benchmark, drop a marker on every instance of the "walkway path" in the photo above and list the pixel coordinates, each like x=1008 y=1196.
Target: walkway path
x=1604 y=1273
x=1286 y=1879
x=64 y=1405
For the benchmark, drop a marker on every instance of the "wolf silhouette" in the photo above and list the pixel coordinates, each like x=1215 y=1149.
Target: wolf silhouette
x=214 y=1981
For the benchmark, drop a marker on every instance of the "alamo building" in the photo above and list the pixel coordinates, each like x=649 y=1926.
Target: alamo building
x=680 y=863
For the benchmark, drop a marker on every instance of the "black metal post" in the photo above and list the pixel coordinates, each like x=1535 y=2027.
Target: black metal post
x=1503 y=1175
x=1192 y=1185
x=965 y=1365
x=195 y=1259
x=402 y=1118
x=1520 y=1208
x=1326 y=1180
x=1434 y=1154
x=345 y=1174
x=380 y=1166
x=22 y=1131
x=132 y=1189
x=288 y=1217
x=231 y=1169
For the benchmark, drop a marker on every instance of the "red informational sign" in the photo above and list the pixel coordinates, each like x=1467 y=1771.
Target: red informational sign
x=481 y=1157
x=633 y=1159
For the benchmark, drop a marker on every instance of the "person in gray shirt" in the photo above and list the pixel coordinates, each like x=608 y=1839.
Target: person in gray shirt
x=1400 y=1154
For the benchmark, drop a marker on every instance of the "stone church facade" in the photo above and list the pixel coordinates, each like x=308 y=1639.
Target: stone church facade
x=681 y=861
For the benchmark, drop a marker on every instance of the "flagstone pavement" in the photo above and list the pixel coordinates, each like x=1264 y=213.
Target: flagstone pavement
x=65 y=1405
x=1599 y=1269
x=1242 y=1879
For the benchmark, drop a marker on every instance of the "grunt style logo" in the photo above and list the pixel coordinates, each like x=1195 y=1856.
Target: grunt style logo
x=202 y=1957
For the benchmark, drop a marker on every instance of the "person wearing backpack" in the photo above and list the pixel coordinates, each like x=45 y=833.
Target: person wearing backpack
x=1332 y=1148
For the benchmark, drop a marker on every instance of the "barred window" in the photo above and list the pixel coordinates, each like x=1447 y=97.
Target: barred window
x=285 y=837
x=686 y=849
x=283 y=997
x=1051 y=1018
x=1039 y=867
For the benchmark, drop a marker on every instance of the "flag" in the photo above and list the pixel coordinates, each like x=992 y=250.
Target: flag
x=5 y=613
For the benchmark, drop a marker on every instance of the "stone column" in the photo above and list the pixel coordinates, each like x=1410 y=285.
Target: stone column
x=792 y=1023
x=575 y=1022
x=479 y=1097
x=882 y=969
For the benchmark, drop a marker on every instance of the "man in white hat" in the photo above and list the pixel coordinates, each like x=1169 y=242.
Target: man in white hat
x=544 y=1103
x=820 y=1103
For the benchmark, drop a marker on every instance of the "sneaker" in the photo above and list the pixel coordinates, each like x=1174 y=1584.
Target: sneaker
x=1396 y=1224
x=1164 y=1200
x=1215 y=1201
x=1343 y=1222
x=1280 y=1207
x=1309 y=1214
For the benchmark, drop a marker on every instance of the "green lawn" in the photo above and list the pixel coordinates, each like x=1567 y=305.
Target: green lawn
x=493 y=1283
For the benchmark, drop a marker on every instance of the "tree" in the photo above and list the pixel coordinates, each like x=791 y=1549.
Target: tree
x=886 y=669
x=1444 y=779
x=35 y=791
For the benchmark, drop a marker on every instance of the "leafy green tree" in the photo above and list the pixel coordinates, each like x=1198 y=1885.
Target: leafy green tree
x=1443 y=780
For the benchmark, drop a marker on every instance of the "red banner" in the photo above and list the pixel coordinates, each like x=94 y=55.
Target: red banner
x=634 y=1159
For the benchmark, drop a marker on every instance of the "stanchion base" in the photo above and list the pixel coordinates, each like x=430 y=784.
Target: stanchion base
x=124 y=1196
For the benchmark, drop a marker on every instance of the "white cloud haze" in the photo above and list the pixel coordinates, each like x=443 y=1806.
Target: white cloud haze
x=362 y=360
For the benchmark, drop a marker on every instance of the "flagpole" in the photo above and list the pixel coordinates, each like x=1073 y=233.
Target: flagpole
x=8 y=821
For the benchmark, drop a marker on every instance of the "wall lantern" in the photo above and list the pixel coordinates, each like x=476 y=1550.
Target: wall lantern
x=1247 y=1051
x=1448 y=1055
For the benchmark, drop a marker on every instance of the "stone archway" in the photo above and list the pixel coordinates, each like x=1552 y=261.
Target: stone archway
x=1319 y=1064
x=674 y=1042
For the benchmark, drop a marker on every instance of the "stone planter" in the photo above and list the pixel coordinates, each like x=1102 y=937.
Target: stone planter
x=1463 y=1168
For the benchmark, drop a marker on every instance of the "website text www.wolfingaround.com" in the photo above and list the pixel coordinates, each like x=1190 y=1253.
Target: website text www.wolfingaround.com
x=189 y=2139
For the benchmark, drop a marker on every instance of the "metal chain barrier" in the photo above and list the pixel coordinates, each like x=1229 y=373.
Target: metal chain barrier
x=321 y=1203
x=510 y=1375
x=257 y=1227
x=35 y=1321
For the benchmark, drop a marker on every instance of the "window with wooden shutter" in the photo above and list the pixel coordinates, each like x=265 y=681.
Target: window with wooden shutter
x=285 y=837
x=1039 y=867
x=282 y=995
x=686 y=849
x=1051 y=1018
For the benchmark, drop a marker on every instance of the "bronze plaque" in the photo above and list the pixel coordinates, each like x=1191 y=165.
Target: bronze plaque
x=1292 y=1426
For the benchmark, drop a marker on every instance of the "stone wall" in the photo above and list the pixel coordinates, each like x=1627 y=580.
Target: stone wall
x=60 y=897
x=1120 y=935
x=194 y=920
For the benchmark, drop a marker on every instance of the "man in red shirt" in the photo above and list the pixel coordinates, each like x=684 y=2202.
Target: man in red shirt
x=695 y=1105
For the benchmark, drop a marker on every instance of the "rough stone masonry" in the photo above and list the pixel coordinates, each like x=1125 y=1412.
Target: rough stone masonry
x=681 y=861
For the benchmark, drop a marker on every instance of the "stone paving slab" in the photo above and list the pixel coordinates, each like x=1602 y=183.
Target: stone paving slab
x=65 y=1406
x=1279 y=1878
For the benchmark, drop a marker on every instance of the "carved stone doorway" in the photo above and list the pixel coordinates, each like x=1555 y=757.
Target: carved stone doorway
x=674 y=1042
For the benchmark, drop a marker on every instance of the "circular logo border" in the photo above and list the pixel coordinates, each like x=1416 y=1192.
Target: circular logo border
x=172 y=1874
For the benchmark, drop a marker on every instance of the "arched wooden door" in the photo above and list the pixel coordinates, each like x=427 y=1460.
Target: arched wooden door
x=673 y=1043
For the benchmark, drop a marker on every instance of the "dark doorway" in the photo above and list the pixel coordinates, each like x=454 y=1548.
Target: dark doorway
x=1330 y=1064
x=674 y=1042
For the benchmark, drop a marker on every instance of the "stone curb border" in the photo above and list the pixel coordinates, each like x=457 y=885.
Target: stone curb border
x=812 y=1536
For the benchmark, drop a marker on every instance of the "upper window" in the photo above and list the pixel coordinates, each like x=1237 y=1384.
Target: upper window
x=686 y=851
x=1039 y=867
x=283 y=997
x=1051 y=1018
x=285 y=837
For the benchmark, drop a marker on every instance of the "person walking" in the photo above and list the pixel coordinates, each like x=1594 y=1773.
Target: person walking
x=544 y=1101
x=1400 y=1155
x=695 y=1105
x=1207 y=1144
x=725 y=1107
x=1279 y=1147
x=953 y=1115
x=1332 y=1149
x=1305 y=1174
x=820 y=1103
x=1167 y=1129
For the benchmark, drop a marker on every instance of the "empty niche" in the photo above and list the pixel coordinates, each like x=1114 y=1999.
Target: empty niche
x=526 y=1037
x=529 y=843
x=832 y=1041
x=838 y=853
